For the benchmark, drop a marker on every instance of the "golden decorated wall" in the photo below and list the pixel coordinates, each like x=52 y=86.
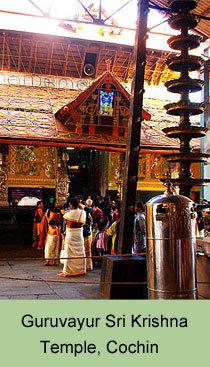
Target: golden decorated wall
x=115 y=171
x=152 y=168
x=32 y=166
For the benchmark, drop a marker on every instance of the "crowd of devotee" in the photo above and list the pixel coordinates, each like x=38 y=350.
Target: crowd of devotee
x=82 y=232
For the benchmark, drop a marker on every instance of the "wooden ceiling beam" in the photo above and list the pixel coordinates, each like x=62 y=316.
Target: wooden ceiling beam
x=34 y=53
x=32 y=48
x=66 y=56
x=19 y=54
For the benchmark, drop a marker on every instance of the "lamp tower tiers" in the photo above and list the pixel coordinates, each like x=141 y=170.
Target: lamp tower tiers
x=183 y=20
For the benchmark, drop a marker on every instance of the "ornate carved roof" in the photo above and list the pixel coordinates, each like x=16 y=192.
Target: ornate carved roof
x=107 y=78
x=27 y=116
x=100 y=112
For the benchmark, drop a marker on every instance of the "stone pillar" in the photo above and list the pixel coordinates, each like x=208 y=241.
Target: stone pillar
x=62 y=186
x=4 y=175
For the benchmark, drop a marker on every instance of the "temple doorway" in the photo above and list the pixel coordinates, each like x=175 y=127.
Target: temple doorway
x=83 y=171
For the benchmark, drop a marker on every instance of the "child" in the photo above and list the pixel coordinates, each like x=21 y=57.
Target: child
x=52 y=243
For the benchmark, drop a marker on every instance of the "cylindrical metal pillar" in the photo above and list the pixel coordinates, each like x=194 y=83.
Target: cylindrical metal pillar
x=171 y=270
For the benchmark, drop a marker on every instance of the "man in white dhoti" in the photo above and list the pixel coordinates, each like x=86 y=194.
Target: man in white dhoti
x=74 y=250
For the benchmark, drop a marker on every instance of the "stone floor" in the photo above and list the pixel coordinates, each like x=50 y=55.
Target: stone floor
x=24 y=276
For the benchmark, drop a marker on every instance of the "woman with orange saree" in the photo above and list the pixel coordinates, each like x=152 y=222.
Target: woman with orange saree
x=51 y=214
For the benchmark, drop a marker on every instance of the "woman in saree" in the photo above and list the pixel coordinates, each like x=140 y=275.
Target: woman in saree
x=51 y=249
x=74 y=250
x=38 y=215
x=51 y=214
